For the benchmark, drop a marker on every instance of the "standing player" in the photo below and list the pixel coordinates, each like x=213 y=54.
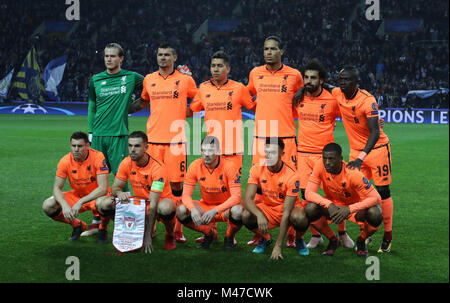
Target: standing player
x=87 y=172
x=316 y=121
x=167 y=90
x=280 y=204
x=274 y=85
x=348 y=196
x=222 y=99
x=220 y=189
x=110 y=96
x=148 y=179
x=369 y=146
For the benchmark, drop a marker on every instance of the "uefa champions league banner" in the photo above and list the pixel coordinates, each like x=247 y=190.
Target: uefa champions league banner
x=390 y=115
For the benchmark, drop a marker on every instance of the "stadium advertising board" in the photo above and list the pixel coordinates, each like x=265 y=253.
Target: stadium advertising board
x=390 y=115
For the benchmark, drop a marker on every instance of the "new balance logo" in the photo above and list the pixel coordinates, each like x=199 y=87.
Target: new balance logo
x=283 y=88
x=229 y=106
x=175 y=94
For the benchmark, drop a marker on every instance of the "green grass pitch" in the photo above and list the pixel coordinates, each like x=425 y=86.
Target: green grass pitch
x=35 y=248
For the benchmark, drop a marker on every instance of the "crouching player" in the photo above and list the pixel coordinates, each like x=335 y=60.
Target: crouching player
x=280 y=203
x=348 y=196
x=148 y=180
x=220 y=188
x=87 y=172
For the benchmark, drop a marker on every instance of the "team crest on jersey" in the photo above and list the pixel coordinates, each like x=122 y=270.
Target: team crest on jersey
x=261 y=77
x=92 y=179
x=202 y=179
x=74 y=171
x=103 y=83
x=208 y=95
x=124 y=80
x=129 y=221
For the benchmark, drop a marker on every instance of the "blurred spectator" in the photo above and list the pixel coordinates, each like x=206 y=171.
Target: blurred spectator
x=336 y=32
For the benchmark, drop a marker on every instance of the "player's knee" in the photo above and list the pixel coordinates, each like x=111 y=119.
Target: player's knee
x=249 y=220
x=236 y=213
x=374 y=216
x=166 y=207
x=299 y=219
x=182 y=213
x=313 y=212
x=104 y=206
x=235 y=216
x=384 y=192
x=50 y=207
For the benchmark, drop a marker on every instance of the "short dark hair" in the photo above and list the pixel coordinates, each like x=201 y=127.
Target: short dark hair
x=276 y=38
x=167 y=45
x=79 y=135
x=139 y=134
x=275 y=140
x=212 y=141
x=352 y=69
x=221 y=55
x=315 y=64
x=116 y=46
x=333 y=147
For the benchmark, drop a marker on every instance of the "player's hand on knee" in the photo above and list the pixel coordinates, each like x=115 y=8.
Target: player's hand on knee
x=263 y=224
x=123 y=197
x=340 y=215
x=196 y=217
x=67 y=212
x=208 y=216
x=76 y=208
x=355 y=164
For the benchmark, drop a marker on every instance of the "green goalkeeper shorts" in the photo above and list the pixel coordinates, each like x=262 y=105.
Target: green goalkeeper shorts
x=115 y=149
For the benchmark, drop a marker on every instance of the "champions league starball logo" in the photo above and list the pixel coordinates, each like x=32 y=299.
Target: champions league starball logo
x=129 y=221
x=29 y=108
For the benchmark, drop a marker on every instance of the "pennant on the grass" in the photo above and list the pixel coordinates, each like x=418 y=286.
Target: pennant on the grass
x=129 y=226
x=28 y=81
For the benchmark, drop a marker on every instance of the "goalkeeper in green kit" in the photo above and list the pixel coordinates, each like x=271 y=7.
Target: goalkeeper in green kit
x=110 y=96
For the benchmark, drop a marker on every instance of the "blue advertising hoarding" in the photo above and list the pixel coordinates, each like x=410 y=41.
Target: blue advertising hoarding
x=390 y=115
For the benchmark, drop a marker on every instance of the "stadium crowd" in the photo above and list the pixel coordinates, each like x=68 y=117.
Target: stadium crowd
x=336 y=32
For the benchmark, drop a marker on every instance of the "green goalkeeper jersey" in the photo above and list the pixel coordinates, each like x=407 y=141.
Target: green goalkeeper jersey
x=110 y=97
